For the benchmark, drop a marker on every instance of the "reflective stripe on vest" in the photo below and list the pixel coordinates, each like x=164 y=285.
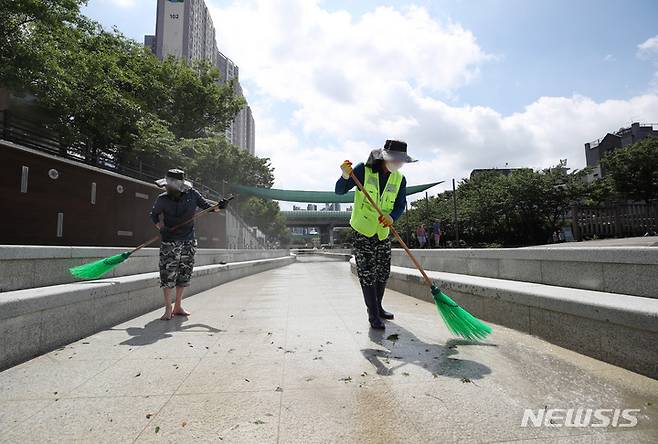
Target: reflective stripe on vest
x=364 y=217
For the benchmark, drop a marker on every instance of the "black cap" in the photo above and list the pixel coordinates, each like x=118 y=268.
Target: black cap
x=396 y=150
x=396 y=145
x=175 y=173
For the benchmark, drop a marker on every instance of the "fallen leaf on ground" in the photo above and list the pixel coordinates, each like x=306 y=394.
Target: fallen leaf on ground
x=278 y=389
x=393 y=337
x=157 y=429
x=148 y=415
x=138 y=374
x=466 y=380
x=346 y=380
x=259 y=422
x=405 y=374
x=184 y=424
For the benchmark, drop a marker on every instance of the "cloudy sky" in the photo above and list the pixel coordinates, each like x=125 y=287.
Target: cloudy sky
x=468 y=84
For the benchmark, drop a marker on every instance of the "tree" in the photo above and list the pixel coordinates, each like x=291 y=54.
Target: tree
x=18 y=20
x=191 y=99
x=101 y=89
x=112 y=100
x=633 y=171
x=214 y=160
x=521 y=208
x=266 y=215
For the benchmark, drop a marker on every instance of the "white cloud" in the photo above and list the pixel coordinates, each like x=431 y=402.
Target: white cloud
x=353 y=82
x=609 y=58
x=648 y=48
x=125 y=4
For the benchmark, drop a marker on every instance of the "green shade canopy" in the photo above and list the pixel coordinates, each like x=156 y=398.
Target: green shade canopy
x=313 y=196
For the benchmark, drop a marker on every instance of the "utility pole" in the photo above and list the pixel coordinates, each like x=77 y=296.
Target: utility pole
x=454 y=206
x=406 y=212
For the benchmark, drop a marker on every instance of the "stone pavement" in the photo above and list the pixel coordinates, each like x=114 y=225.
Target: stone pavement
x=286 y=356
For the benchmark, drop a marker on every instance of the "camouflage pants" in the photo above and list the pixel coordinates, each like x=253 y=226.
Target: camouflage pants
x=373 y=259
x=176 y=263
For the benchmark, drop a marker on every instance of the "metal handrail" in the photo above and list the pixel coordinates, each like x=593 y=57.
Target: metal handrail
x=28 y=134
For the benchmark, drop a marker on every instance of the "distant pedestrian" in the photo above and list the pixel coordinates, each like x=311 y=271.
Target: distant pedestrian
x=421 y=235
x=436 y=232
x=177 y=247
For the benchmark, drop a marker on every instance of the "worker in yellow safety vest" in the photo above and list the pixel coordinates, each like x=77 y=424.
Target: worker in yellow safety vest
x=382 y=179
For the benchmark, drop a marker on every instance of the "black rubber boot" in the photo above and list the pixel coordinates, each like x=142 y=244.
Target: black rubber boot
x=370 y=298
x=381 y=287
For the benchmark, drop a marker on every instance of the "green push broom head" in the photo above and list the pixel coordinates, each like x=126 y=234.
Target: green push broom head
x=94 y=270
x=459 y=321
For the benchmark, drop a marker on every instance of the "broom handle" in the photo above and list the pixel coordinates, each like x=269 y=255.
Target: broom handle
x=393 y=230
x=199 y=214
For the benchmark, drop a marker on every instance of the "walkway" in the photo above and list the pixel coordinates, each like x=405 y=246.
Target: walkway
x=286 y=356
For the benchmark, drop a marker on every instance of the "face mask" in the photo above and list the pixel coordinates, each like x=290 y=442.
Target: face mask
x=173 y=192
x=393 y=166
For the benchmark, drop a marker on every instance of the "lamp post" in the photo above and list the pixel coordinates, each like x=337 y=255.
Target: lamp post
x=223 y=183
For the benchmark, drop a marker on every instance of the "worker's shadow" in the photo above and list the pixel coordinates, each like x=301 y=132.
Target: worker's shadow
x=406 y=348
x=156 y=330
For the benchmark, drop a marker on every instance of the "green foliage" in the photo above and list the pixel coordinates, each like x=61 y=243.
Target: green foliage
x=19 y=19
x=110 y=95
x=522 y=208
x=103 y=89
x=633 y=171
x=265 y=214
x=214 y=159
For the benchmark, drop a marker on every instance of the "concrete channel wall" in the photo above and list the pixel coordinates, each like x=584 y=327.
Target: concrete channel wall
x=625 y=270
x=31 y=266
x=615 y=328
x=35 y=321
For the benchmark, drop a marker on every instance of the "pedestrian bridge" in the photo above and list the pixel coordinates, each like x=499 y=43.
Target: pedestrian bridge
x=286 y=355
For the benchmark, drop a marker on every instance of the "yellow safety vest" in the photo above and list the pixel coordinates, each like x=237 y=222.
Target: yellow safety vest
x=364 y=217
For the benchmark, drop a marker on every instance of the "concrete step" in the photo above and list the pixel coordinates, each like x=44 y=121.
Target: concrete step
x=616 y=328
x=32 y=266
x=35 y=321
x=614 y=269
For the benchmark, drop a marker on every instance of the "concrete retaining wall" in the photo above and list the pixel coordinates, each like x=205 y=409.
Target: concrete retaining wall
x=35 y=321
x=615 y=328
x=34 y=266
x=622 y=270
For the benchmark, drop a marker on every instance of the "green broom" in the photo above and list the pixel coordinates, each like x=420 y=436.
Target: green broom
x=95 y=270
x=459 y=321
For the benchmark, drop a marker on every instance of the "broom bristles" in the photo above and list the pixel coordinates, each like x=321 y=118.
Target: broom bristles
x=94 y=270
x=459 y=321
